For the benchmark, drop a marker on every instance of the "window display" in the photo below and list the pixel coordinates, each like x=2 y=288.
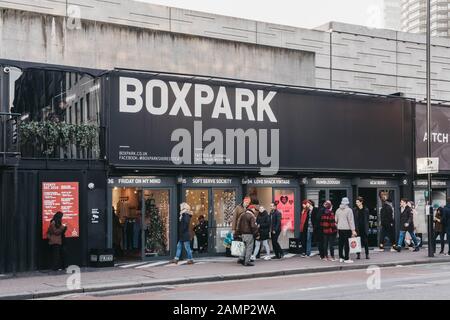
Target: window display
x=198 y=199
x=156 y=222
x=224 y=204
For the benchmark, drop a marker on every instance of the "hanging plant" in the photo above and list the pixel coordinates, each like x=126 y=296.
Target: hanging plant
x=53 y=135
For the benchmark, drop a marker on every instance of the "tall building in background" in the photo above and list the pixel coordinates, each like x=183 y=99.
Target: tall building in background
x=414 y=17
x=392 y=10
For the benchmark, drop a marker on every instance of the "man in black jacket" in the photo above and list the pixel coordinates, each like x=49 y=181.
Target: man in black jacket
x=317 y=230
x=406 y=225
x=387 y=222
x=275 y=230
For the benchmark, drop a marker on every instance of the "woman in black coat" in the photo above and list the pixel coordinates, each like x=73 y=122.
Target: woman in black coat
x=184 y=233
x=361 y=215
x=263 y=222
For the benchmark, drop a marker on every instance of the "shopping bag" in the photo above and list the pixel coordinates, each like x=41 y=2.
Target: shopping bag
x=355 y=244
x=237 y=248
x=195 y=244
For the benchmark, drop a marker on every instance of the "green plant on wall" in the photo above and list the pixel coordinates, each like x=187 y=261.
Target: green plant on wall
x=51 y=135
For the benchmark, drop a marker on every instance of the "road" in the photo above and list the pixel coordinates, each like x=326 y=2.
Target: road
x=428 y=281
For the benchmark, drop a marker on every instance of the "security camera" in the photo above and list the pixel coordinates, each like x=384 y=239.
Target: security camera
x=6 y=69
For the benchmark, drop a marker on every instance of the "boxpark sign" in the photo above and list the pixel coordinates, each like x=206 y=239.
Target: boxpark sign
x=168 y=123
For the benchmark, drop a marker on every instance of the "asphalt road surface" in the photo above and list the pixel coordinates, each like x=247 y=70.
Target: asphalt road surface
x=430 y=281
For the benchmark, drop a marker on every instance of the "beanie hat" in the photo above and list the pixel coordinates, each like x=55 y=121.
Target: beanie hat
x=345 y=201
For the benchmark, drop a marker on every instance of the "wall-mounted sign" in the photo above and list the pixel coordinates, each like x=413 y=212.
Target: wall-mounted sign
x=64 y=197
x=427 y=165
x=95 y=216
x=167 y=122
x=267 y=181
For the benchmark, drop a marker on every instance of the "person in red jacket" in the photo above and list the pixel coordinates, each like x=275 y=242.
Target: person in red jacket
x=329 y=231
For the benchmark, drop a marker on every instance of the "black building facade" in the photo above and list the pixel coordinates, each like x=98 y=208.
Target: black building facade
x=164 y=139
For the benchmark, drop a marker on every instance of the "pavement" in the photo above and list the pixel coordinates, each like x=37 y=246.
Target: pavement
x=124 y=276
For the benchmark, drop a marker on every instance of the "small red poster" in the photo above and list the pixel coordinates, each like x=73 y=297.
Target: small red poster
x=287 y=209
x=61 y=196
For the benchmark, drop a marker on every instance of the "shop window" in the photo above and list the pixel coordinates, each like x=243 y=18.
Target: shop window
x=156 y=222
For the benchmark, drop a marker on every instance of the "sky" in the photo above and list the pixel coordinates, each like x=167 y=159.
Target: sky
x=298 y=13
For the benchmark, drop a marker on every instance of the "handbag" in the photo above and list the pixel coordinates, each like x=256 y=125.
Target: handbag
x=237 y=248
x=355 y=244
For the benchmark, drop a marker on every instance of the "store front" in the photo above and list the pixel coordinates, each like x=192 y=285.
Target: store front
x=440 y=189
x=212 y=200
x=334 y=189
x=142 y=217
x=370 y=190
x=285 y=194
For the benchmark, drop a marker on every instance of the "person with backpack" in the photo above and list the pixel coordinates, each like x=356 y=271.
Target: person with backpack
x=329 y=230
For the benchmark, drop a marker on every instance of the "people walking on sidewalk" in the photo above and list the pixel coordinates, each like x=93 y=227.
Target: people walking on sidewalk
x=446 y=222
x=184 y=233
x=361 y=213
x=406 y=225
x=262 y=237
x=328 y=229
x=247 y=229
x=306 y=228
x=55 y=235
x=387 y=222
x=275 y=230
x=346 y=228
x=439 y=230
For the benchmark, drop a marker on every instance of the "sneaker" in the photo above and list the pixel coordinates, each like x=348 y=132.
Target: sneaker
x=446 y=255
x=267 y=258
x=341 y=260
x=252 y=258
x=303 y=255
x=190 y=262
x=332 y=259
x=367 y=257
x=348 y=261
x=394 y=250
x=416 y=249
x=358 y=256
x=175 y=261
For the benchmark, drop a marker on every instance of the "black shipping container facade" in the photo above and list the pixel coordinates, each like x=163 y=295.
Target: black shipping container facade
x=331 y=144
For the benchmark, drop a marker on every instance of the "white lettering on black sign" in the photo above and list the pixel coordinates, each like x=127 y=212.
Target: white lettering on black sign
x=211 y=181
x=269 y=181
x=328 y=181
x=378 y=183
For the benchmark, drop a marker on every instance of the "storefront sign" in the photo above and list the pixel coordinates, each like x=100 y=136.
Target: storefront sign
x=267 y=181
x=434 y=183
x=440 y=145
x=161 y=122
x=211 y=181
x=148 y=181
x=64 y=197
